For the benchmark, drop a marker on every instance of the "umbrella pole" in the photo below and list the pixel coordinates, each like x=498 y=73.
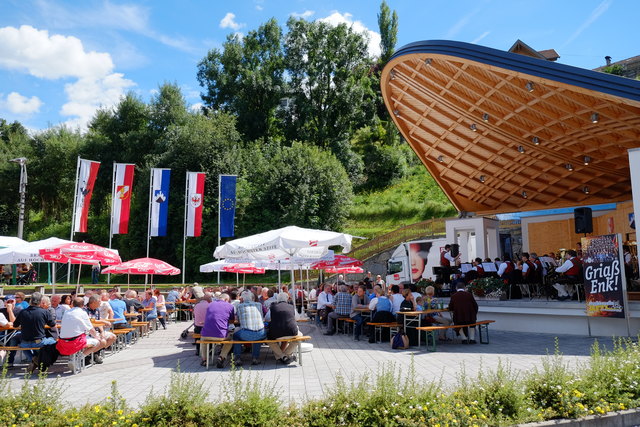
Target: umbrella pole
x=152 y=281
x=278 y=276
x=78 y=285
x=53 y=278
x=128 y=281
x=237 y=279
x=244 y=275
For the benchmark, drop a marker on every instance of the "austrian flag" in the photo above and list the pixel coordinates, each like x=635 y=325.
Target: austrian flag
x=121 y=199
x=87 y=173
x=194 y=202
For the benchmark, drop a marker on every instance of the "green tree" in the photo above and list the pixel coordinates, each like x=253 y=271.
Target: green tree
x=329 y=78
x=297 y=185
x=388 y=26
x=247 y=79
x=14 y=143
x=616 y=69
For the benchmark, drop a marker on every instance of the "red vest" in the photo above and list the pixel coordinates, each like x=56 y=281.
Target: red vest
x=509 y=268
x=480 y=270
x=444 y=262
x=531 y=270
x=575 y=268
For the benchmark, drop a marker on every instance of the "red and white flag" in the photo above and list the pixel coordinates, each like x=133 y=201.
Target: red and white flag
x=87 y=173
x=121 y=198
x=195 y=199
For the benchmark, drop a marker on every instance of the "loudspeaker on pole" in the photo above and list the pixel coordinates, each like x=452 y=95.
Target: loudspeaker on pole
x=583 y=220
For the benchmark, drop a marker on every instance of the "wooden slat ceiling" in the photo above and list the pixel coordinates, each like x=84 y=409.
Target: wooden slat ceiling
x=530 y=138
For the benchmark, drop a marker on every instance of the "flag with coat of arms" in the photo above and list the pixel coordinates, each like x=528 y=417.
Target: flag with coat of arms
x=159 y=203
x=87 y=173
x=121 y=198
x=194 y=203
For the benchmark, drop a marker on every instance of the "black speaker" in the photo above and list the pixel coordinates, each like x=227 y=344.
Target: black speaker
x=455 y=250
x=583 y=220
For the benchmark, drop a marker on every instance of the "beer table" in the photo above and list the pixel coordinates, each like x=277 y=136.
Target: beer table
x=413 y=319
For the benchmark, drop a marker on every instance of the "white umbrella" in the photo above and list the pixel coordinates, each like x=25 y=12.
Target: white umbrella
x=284 y=243
x=28 y=252
x=8 y=241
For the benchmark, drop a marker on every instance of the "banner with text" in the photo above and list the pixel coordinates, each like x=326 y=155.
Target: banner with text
x=604 y=282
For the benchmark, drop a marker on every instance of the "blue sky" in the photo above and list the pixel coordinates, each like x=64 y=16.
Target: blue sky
x=61 y=60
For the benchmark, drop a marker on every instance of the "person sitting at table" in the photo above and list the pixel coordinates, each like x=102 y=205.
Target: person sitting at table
x=78 y=334
x=65 y=305
x=341 y=309
x=131 y=301
x=359 y=300
x=249 y=314
x=325 y=303
x=409 y=302
x=380 y=307
x=430 y=302
x=45 y=303
x=150 y=302
x=21 y=304
x=93 y=310
x=218 y=324
x=464 y=310
x=32 y=322
x=7 y=322
x=396 y=299
x=172 y=297
x=106 y=312
x=200 y=314
x=282 y=325
x=161 y=307
x=119 y=308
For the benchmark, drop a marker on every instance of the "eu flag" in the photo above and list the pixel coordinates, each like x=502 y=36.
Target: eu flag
x=227 y=207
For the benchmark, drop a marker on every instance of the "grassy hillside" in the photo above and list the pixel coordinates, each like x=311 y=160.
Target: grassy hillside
x=412 y=199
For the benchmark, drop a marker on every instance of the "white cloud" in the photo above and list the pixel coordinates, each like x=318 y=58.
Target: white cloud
x=337 y=18
x=258 y=7
x=197 y=107
x=461 y=23
x=127 y=17
x=229 y=21
x=45 y=56
x=19 y=104
x=595 y=14
x=304 y=15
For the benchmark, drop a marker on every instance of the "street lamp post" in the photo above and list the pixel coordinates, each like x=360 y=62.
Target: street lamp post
x=22 y=161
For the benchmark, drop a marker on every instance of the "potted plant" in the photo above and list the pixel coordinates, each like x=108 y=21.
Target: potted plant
x=491 y=287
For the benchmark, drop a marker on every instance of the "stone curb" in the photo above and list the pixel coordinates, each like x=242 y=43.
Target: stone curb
x=627 y=418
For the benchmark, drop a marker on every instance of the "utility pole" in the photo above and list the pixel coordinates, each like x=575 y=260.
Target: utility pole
x=22 y=161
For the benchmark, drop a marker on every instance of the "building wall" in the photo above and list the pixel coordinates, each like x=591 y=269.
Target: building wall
x=546 y=234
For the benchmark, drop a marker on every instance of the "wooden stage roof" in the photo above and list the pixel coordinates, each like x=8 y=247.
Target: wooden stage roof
x=502 y=132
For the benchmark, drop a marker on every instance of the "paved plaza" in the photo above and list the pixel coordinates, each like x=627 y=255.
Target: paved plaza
x=148 y=364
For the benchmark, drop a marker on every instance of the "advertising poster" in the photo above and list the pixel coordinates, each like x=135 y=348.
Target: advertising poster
x=604 y=282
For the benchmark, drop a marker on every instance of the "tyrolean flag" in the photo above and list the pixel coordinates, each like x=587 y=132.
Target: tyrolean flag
x=194 y=202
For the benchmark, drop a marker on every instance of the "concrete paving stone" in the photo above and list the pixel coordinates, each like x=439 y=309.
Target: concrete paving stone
x=149 y=363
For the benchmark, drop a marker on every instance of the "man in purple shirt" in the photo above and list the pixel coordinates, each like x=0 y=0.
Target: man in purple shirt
x=218 y=317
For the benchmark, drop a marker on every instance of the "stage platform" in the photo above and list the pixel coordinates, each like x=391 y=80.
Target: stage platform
x=555 y=317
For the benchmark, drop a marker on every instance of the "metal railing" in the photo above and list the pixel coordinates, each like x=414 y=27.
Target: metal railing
x=430 y=229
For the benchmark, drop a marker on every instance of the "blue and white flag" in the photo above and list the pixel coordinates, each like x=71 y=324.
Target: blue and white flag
x=159 y=201
x=227 y=205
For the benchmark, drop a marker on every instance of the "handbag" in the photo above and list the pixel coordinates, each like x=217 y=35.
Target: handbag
x=400 y=341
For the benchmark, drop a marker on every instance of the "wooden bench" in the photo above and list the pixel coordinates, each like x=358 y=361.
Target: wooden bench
x=14 y=348
x=378 y=327
x=121 y=337
x=231 y=341
x=483 y=325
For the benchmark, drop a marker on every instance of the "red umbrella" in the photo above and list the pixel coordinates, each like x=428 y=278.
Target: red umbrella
x=239 y=268
x=81 y=253
x=344 y=270
x=338 y=261
x=143 y=266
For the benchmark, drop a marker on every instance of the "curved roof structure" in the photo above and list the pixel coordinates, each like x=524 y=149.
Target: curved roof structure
x=502 y=132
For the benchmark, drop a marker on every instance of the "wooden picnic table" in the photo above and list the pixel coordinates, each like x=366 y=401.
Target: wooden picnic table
x=413 y=319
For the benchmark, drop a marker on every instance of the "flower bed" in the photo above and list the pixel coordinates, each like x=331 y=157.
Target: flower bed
x=608 y=381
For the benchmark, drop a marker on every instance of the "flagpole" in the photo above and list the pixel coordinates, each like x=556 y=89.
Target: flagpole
x=73 y=215
x=184 y=236
x=113 y=193
x=219 y=213
x=149 y=217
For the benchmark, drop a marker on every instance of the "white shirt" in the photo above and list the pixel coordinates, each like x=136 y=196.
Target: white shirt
x=324 y=299
x=373 y=303
x=565 y=267
x=312 y=294
x=396 y=302
x=3 y=320
x=525 y=267
x=75 y=322
x=502 y=269
x=451 y=259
